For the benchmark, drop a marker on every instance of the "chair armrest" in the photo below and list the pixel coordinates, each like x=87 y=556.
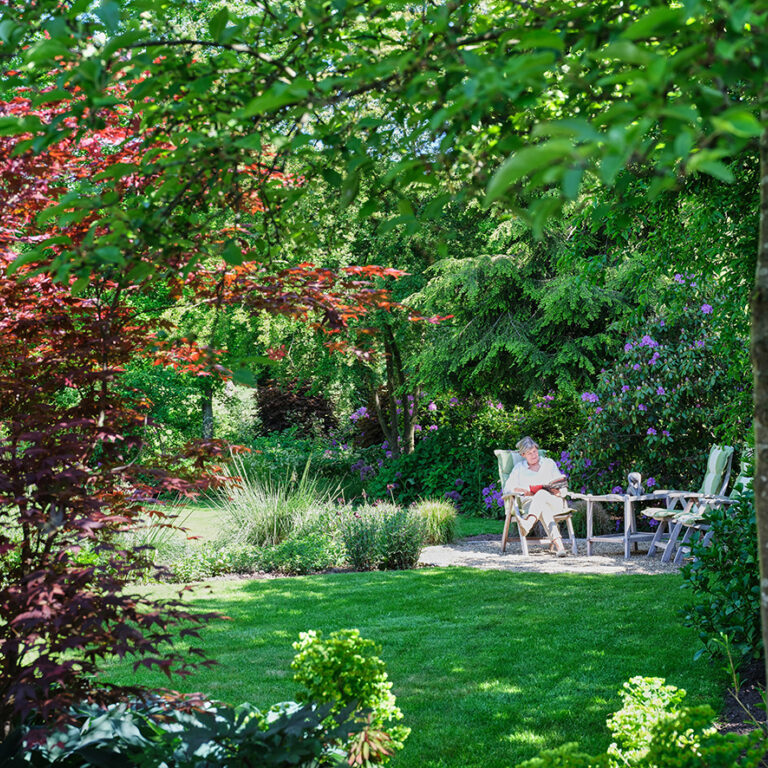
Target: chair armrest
x=594 y=497
x=513 y=495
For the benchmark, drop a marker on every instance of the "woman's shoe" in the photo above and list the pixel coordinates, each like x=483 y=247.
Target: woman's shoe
x=562 y=552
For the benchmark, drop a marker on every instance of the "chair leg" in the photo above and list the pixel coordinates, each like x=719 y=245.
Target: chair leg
x=506 y=531
x=684 y=545
x=572 y=534
x=673 y=536
x=656 y=537
x=523 y=543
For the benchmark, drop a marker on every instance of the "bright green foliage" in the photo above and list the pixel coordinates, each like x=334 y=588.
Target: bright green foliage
x=724 y=579
x=346 y=670
x=677 y=389
x=654 y=730
x=646 y=701
x=301 y=553
x=196 y=561
x=440 y=520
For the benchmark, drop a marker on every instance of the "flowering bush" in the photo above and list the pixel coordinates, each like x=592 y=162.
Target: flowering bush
x=453 y=457
x=677 y=387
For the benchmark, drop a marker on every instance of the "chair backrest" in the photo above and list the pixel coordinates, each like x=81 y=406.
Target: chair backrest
x=740 y=484
x=718 y=470
x=507 y=461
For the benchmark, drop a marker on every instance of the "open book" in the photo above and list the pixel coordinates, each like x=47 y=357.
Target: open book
x=555 y=485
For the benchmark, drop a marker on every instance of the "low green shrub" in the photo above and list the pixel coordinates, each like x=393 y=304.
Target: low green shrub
x=724 y=579
x=401 y=539
x=381 y=536
x=306 y=552
x=193 y=561
x=439 y=519
x=346 y=669
x=359 y=533
x=654 y=730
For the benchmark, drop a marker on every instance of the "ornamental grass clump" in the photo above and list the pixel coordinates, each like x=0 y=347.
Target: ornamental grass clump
x=439 y=520
x=263 y=511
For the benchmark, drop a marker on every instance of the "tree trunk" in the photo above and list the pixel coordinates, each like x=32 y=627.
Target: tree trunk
x=207 y=405
x=760 y=373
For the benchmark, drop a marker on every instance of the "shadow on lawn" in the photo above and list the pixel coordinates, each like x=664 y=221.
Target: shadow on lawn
x=520 y=661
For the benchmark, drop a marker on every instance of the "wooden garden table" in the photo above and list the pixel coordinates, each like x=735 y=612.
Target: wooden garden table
x=630 y=534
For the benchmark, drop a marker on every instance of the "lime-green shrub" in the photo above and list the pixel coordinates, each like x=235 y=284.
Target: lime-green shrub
x=654 y=730
x=346 y=669
x=439 y=519
x=195 y=561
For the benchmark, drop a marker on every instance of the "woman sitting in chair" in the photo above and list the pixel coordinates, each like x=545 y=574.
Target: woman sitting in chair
x=529 y=478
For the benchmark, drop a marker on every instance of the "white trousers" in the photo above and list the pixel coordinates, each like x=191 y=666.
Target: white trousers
x=543 y=505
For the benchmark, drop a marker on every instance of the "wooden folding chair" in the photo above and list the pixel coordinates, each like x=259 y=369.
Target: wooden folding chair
x=507 y=461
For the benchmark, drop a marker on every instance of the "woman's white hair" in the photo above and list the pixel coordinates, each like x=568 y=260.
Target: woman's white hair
x=525 y=445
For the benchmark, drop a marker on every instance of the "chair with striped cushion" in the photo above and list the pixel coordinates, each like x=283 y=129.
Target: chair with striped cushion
x=681 y=505
x=507 y=461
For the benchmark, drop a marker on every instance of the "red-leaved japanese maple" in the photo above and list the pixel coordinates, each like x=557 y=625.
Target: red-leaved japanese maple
x=73 y=476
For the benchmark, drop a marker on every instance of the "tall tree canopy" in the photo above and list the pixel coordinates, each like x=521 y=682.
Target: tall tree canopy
x=516 y=104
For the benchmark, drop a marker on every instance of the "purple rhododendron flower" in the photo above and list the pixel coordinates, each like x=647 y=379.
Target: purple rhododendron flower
x=654 y=358
x=650 y=482
x=617 y=489
x=706 y=309
x=431 y=407
x=598 y=410
x=679 y=279
x=433 y=428
x=590 y=397
x=660 y=391
x=642 y=407
x=650 y=431
x=388 y=454
x=636 y=367
x=699 y=343
x=625 y=388
x=628 y=347
x=665 y=432
x=647 y=341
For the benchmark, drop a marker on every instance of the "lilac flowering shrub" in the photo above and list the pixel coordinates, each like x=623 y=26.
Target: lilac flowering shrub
x=677 y=387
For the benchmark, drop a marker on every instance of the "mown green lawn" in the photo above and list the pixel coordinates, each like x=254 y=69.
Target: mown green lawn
x=489 y=667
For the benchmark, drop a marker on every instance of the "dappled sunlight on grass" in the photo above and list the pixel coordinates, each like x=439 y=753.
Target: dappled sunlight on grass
x=488 y=666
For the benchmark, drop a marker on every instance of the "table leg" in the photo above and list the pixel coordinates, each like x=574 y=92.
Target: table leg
x=589 y=527
x=627 y=526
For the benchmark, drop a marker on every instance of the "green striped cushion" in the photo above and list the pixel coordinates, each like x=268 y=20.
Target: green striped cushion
x=716 y=464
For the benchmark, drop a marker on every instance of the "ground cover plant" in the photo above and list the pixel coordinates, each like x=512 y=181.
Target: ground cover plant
x=489 y=668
